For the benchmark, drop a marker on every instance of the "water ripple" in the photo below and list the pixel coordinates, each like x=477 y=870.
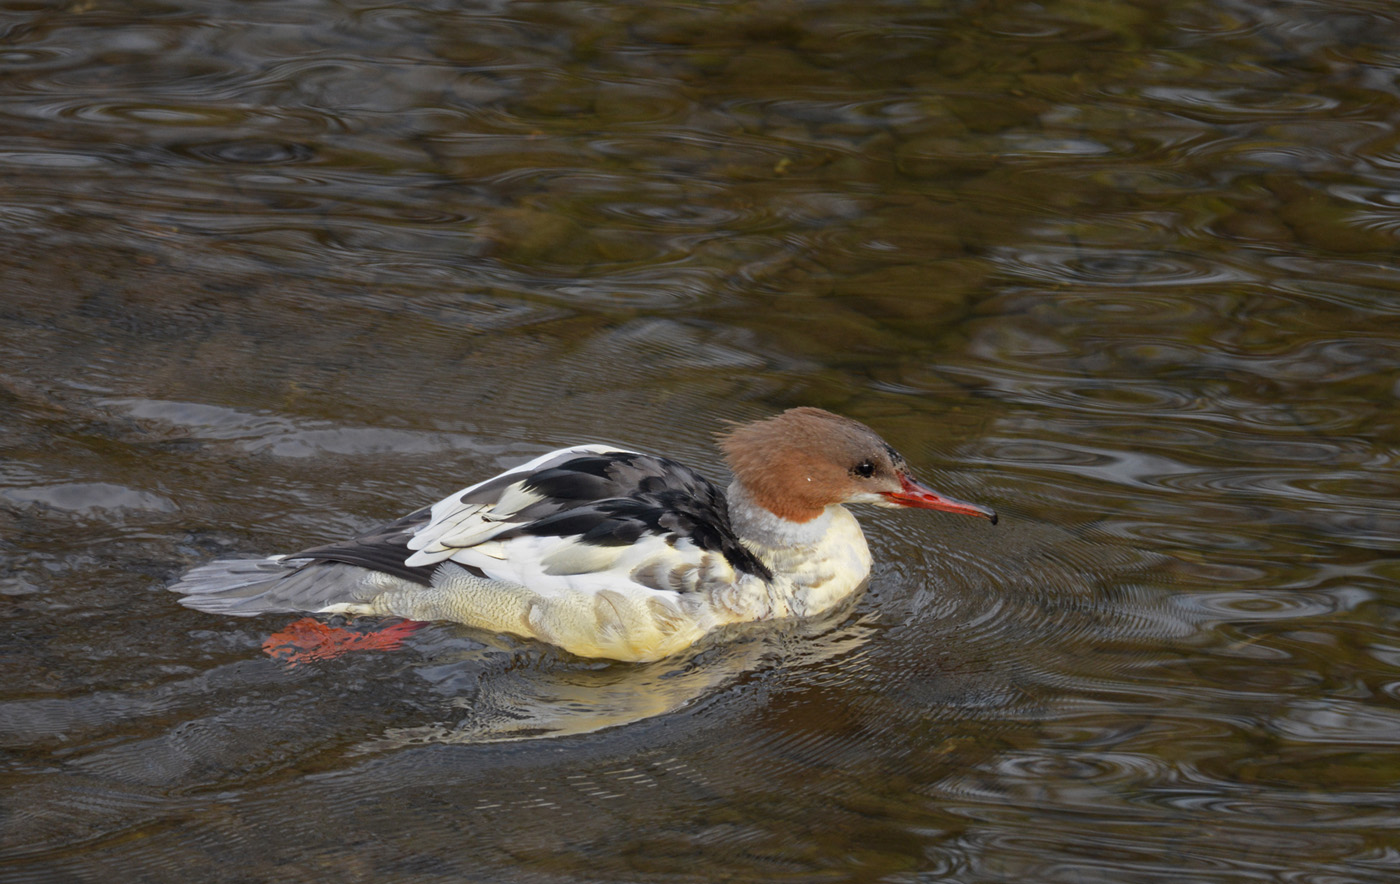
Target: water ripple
x=251 y=152
x=1225 y=104
x=1336 y=722
x=1119 y=267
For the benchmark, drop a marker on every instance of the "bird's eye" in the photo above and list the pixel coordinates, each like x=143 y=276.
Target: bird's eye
x=865 y=469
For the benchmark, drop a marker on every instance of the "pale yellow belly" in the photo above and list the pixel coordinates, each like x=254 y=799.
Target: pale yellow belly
x=634 y=627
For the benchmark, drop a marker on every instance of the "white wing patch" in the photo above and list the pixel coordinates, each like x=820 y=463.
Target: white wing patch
x=558 y=566
x=554 y=566
x=456 y=526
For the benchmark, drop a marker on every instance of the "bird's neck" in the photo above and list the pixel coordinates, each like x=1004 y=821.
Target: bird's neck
x=815 y=564
x=759 y=525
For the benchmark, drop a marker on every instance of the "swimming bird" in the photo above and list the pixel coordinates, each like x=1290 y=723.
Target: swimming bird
x=607 y=552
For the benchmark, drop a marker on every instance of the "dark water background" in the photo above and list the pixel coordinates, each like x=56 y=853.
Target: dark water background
x=273 y=272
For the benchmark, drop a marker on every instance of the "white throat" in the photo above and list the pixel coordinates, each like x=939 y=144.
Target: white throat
x=759 y=524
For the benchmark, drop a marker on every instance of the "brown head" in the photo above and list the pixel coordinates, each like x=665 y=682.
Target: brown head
x=800 y=462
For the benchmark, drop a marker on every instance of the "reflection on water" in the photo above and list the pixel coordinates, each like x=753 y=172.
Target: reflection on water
x=536 y=696
x=274 y=274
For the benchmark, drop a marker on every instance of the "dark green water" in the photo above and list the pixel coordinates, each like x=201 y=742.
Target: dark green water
x=271 y=273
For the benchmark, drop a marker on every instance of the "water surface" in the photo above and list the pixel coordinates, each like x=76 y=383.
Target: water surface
x=274 y=273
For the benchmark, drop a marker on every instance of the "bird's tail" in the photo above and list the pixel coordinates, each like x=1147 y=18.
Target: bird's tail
x=247 y=587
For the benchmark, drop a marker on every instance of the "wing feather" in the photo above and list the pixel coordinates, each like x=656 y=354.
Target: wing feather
x=479 y=512
x=583 y=519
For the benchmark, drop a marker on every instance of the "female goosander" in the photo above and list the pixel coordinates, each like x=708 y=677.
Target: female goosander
x=607 y=552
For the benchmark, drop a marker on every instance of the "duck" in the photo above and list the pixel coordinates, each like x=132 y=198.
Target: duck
x=610 y=553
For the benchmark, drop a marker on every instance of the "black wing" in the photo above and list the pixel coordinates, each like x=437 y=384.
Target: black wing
x=383 y=549
x=609 y=498
x=616 y=497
